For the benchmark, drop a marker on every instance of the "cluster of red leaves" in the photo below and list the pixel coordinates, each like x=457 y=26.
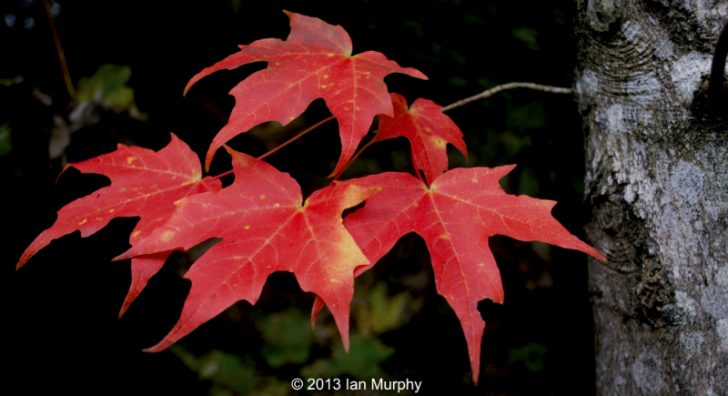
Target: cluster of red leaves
x=262 y=219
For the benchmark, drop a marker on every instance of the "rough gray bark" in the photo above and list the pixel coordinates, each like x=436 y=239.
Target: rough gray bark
x=657 y=179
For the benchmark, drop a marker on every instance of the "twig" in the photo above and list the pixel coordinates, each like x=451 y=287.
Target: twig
x=59 y=50
x=511 y=85
x=483 y=95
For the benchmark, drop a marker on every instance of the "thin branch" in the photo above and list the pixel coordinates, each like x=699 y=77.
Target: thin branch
x=59 y=49
x=299 y=135
x=511 y=85
x=483 y=95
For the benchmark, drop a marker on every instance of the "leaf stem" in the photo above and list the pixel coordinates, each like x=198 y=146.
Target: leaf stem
x=223 y=174
x=353 y=158
x=298 y=136
x=504 y=87
x=284 y=144
x=59 y=50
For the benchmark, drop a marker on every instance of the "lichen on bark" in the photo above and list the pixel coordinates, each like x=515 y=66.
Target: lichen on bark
x=657 y=180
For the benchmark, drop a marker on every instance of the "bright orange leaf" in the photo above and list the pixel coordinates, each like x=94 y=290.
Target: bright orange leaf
x=315 y=61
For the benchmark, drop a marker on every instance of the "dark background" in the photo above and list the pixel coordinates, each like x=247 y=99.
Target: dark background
x=61 y=330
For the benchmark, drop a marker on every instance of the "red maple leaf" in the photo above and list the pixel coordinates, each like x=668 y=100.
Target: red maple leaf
x=264 y=228
x=428 y=130
x=315 y=61
x=455 y=216
x=144 y=184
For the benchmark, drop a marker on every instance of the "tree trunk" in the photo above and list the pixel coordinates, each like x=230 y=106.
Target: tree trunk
x=657 y=180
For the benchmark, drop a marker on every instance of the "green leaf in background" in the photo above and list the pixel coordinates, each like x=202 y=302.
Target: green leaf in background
x=527 y=116
x=361 y=362
x=287 y=336
x=9 y=82
x=108 y=87
x=383 y=313
x=532 y=356
x=229 y=374
x=528 y=182
x=6 y=143
x=528 y=36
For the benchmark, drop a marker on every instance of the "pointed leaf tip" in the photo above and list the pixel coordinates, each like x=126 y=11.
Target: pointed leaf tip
x=142 y=270
x=155 y=348
x=315 y=309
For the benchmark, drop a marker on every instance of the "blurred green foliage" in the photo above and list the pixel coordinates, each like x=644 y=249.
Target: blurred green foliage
x=383 y=313
x=287 y=336
x=107 y=85
x=531 y=356
x=362 y=362
x=6 y=143
x=528 y=36
x=229 y=374
x=290 y=344
x=108 y=88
